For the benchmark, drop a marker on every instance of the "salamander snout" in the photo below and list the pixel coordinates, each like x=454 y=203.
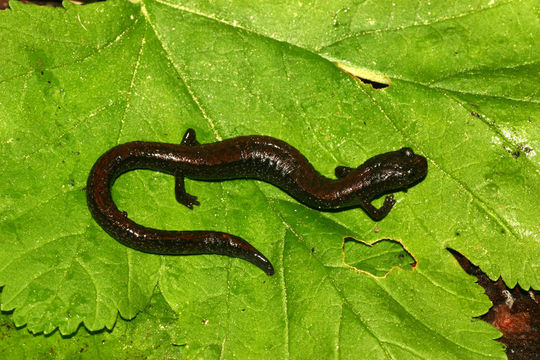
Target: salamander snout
x=417 y=163
x=417 y=170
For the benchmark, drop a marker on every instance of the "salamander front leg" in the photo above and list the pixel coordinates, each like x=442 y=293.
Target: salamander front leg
x=181 y=195
x=190 y=138
x=378 y=214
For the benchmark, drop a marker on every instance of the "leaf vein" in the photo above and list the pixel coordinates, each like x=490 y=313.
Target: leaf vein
x=442 y=19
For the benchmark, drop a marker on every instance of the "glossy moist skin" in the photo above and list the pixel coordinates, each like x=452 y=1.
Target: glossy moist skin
x=246 y=157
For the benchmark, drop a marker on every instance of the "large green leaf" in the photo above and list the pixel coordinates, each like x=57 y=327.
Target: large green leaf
x=76 y=81
x=149 y=336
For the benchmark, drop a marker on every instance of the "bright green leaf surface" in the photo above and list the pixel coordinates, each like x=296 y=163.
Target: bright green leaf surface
x=377 y=259
x=148 y=336
x=76 y=81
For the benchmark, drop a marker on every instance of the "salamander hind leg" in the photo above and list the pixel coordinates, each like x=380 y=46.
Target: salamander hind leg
x=378 y=214
x=342 y=171
x=181 y=195
x=190 y=138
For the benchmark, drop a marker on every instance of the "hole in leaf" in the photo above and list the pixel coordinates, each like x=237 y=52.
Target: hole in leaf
x=377 y=258
x=377 y=81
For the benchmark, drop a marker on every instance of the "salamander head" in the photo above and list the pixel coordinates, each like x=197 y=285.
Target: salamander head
x=386 y=173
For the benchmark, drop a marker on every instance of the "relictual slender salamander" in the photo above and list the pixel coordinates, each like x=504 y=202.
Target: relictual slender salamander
x=246 y=157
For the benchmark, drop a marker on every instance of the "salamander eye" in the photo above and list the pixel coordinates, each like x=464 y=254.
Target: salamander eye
x=407 y=151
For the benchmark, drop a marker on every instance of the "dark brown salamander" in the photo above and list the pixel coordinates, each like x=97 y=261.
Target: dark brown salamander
x=254 y=157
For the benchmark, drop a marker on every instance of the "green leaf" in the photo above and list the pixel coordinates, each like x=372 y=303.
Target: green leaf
x=377 y=259
x=77 y=81
x=146 y=337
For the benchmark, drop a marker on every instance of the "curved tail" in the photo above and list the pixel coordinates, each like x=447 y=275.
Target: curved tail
x=117 y=224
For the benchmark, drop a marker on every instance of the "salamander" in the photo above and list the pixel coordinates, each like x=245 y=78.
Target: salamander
x=246 y=157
